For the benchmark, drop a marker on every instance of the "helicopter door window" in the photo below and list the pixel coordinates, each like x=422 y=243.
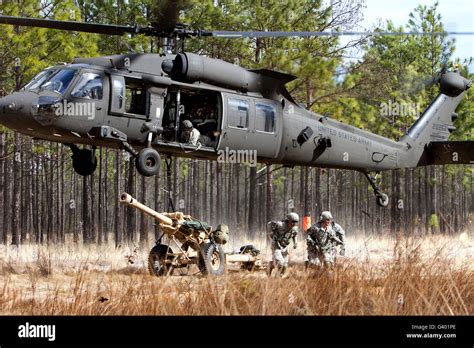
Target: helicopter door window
x=118 y=94
x=135 y=99
x=89 y=87
x=238 y=113
x=265 y=118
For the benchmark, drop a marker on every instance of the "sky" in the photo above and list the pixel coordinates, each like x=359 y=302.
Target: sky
x=456 y=15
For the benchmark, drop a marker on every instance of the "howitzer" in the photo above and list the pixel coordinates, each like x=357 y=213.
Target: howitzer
x=190 y=241
x=179 y=226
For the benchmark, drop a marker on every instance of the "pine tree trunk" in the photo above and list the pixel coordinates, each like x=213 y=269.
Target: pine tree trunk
x=285 y=191
x=131 y=212
x=100 y=217
x=238 y=208
x=117 y=209
x=62 y=218
x=205 y=195
x=3 y=230
x=212 y=194
x=143 y=217
x=229 y=210
x=86 y=215
x=93 y=207
x=16 y=191
x=105 y=228
x=269 y=195
x=157 y=199
x=252 y=209
x=303 y=183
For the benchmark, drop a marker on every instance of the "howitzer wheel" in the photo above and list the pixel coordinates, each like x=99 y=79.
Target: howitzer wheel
x=156 y=260
x=212 y=260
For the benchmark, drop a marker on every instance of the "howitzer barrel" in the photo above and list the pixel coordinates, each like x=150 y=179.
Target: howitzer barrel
x=125 y=198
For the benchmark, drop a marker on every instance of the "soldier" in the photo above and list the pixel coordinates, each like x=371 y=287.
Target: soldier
x=280 y=232
x=190 y=134
x=322 y=240
x=341 y=235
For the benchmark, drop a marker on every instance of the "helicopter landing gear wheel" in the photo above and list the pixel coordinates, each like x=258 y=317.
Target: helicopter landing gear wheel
x=147 y=162
x=380 y=197
x=84 y=161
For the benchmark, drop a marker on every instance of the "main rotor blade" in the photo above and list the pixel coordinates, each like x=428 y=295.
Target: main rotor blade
x=108 y=29
x=257 y=34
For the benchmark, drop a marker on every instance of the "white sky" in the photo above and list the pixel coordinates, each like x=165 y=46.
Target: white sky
x=456 y=15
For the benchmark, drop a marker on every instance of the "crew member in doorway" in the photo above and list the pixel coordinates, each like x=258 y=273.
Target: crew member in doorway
x=189 y=135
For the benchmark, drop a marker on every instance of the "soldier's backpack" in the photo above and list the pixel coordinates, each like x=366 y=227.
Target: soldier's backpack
x=221 y=234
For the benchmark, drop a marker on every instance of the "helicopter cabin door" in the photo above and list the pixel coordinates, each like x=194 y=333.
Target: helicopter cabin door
x=251 y=124
x=129 y=105
x=266 y=130
x=236 y=130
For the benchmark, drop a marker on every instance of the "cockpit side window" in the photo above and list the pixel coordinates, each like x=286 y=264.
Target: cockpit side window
x=60 y=81
x=89 y=86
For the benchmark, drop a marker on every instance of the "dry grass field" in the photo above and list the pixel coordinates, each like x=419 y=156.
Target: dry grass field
x=379 y=276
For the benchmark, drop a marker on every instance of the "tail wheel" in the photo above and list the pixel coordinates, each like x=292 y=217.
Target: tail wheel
x=212 y=260
x=382 y=200
x=157 y=260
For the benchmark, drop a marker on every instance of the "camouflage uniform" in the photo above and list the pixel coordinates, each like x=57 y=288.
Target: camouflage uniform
x=321 y=244
x=341 y=235
x=280 y=235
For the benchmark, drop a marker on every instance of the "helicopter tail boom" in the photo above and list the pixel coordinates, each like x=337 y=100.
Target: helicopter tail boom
x=435 y=124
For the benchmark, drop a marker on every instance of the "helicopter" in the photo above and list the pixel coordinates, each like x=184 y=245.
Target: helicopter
x=139 y=103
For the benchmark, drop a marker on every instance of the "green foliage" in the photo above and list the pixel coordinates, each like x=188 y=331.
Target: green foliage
x=402 y=70
x=433 y=222
x=33 y=49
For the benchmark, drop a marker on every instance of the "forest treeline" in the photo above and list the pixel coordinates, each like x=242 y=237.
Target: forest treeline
x=42 y=199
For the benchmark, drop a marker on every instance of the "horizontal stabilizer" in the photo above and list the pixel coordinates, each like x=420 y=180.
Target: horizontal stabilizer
x=284 y=78
x=448 y=152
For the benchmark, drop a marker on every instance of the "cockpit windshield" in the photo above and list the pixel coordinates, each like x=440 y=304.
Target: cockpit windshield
x=39 y=79
x=60 y=81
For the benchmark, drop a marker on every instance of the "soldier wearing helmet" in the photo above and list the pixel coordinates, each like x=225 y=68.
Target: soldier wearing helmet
x=322 y=240
x=280 y=233
x=189 y=134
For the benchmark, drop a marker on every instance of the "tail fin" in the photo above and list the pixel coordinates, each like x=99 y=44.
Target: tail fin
x=436 y=123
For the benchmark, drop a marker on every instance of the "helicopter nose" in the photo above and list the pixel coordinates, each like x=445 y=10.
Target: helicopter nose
x=15 y=111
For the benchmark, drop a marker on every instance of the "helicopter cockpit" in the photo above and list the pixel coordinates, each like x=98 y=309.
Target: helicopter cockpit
x=59 y=79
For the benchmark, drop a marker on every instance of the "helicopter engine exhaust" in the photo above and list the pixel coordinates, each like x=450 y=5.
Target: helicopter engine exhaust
x=189 y=67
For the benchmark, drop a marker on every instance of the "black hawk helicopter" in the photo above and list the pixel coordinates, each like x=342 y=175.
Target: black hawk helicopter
x=142 y=102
